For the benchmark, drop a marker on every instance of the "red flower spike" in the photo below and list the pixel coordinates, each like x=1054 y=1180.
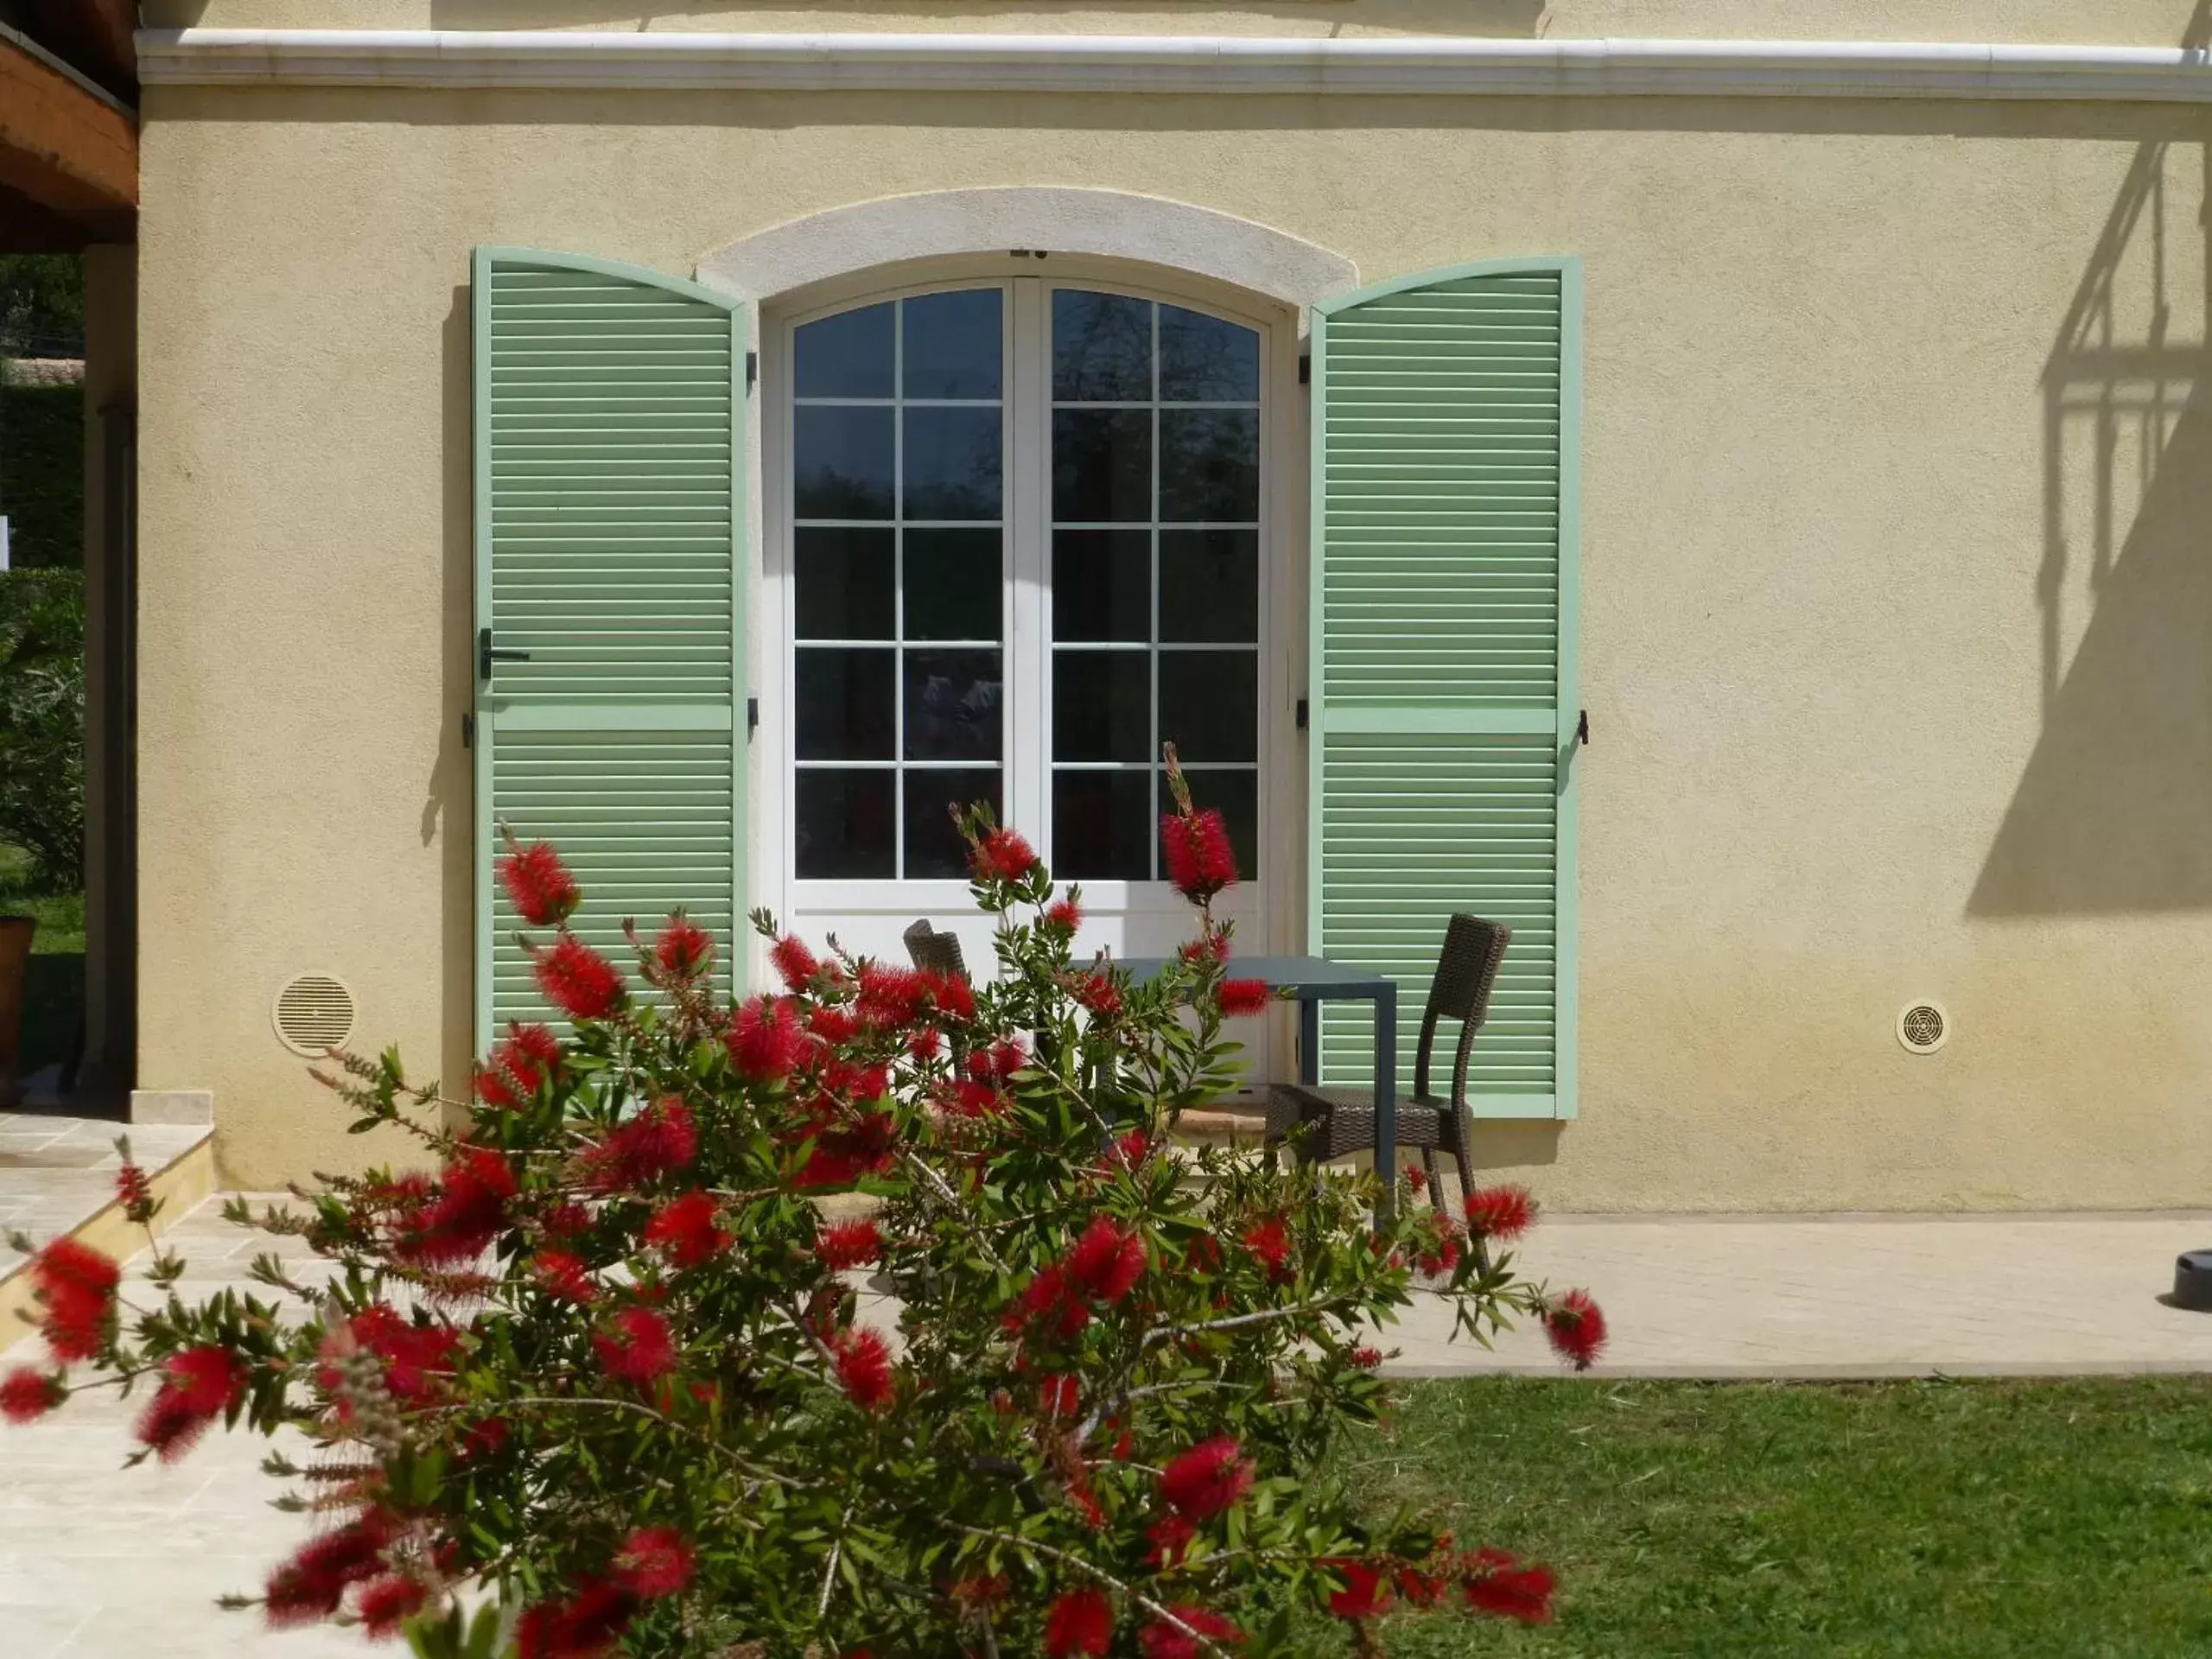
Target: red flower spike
x=1058 y=1396
x=1002 y=855
x=578 y=981
x=1097 y=992
x=1209 y=1478
x=890 y=996
x=1134 y=1146
x=1080 y=1623
x=1195 y=847
x=926 y=1045
x=1064 y=914
x=519 y=1065
x=135 y=1193
x=390 y=1602
x=1576 y=1327
x=1269 y=1241
x=655 y=1561
x=1107 y=1260
x=1498 y=1584
x=468 y=1212
x=764 y=1040
x=77 y=1284
x=982 y=1590
x=952 y=994
x=539 y=883
x=683 y=1230
x=1367 y=1592
x=1500 y=1212
x=585 y=1626
x=564 y=1275
x=863 y=1362
x=310 y=1585
x=684 y=950
x=849 y=1244
x=794 y=963
x=1180 y=1640
x=1417 y=1179
x=1213 y=946
x=1170 y=1534
x=1243 y=998
x=999 y=1062
x=416 y=1356
x=658 y=1141
x=27 y=1394
x=1365 y=1358
x=640 y=1350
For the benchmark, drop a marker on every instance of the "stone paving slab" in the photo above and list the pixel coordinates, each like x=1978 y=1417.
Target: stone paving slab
x=55 y=1172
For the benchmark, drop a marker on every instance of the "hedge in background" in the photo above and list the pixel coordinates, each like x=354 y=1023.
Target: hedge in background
x=43 y=475
x=43 y=721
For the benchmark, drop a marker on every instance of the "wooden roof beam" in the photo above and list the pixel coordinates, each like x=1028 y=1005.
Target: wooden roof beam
x=65 y=146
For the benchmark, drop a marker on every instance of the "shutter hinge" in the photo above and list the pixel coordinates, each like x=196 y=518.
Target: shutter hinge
x=1582 y=729
x=752 y=717
x=1306 y=368
x=752 y=369
x=468 y=729
x=1302 y=714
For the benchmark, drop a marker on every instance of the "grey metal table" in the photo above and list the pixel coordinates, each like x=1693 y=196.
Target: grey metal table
x=1313 y=981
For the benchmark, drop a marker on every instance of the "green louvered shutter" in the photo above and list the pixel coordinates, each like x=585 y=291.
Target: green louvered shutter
x=1446 y=417
x=610 y=460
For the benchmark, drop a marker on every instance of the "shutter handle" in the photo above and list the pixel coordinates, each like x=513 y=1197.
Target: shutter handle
x=485 y=656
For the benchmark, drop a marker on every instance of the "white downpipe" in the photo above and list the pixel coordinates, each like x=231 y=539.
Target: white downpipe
x=1211 y=64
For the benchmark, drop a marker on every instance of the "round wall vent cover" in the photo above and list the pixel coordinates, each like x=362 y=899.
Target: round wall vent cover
x=1923 y=1026
x=313 y=1012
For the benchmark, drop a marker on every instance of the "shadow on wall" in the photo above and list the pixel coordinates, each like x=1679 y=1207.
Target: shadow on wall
x=1505 y=18
x=2113 y=813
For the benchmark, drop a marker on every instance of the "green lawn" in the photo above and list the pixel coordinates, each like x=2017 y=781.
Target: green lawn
x=2014 y=1520
x=54 y=998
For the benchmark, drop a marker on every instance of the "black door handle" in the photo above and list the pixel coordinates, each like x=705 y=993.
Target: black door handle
x=485 y=656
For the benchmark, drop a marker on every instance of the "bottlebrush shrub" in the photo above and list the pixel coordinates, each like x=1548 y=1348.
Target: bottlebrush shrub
x=610 y=1370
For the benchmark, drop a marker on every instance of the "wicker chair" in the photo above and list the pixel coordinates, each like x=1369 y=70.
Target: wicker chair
x=934 y=952
x=1328 y=1124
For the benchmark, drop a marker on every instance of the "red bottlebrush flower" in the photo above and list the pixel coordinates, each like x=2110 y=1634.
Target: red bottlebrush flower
x=1242 y=998
x=485 y=1439
x=951 y=994
x=1096 y=991
x=1135 y=1146
x=1420 y=1587
x=1064 y=913
x=794 y=963
x=1269 y=1241
x=1080 y=1623
x=1495 y=1583
x=997 y=1063
x=578 y=981
x=1365 y=1358
x=655 y=1561
x=27 y=1394
x=765 y=1040
x=522 y=1062
x=684 y=950
x=311 y=1584
x=1576 y=1327
x=585 y=1626
x=889 y=996
x=1050 y=1304
x=1417 y=1179
x=565 y=1220
x=1440 y=1253
x=849 y=1244
x=984 y=1590
x=1162 y=1639
x=926 y=1045
x=563 y=1274
x=1199 y=1484
x=1170 y=1534
x=208 y=1378
x=1196 y=849
x=684 y=1229
x=1367 y=1591
x=863 y=1362
x=543 y=890
x=968 y=1099
x=1107 y=1260
x=658 y=1141
x=1500 y=1212
x=1057 y=1397
x=1214 y=945
x=1203 y=1253
x=77 y=1285
x=639 y=1348
x=1002 y=855
x=415 y=1355
x=390 y=1602
x=468 y=1212
x=135 y=1193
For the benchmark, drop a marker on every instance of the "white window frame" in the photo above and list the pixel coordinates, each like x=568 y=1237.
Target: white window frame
x=1130 y=917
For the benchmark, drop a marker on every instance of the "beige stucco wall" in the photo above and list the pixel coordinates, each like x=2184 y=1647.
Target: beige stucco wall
x=2114 y=23
x=1897 y=594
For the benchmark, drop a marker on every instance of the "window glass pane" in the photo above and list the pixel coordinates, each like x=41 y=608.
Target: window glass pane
x=1210 y=585
x=842 y=702
x=841 y=461
x=1210 y=704
x=1101 y=347
x=934 y=849
x=844 y=822
x=1102 y=705
x=1102 y=465
x=954 y=586
x=951 y=463
x=1236 y=796
x=1103 y=826
x=1205 y=360
x=953 y=700
x=844 y=584
x=1102 y=585
x=952 y=344
x=845 y=356
x=1209 y=465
